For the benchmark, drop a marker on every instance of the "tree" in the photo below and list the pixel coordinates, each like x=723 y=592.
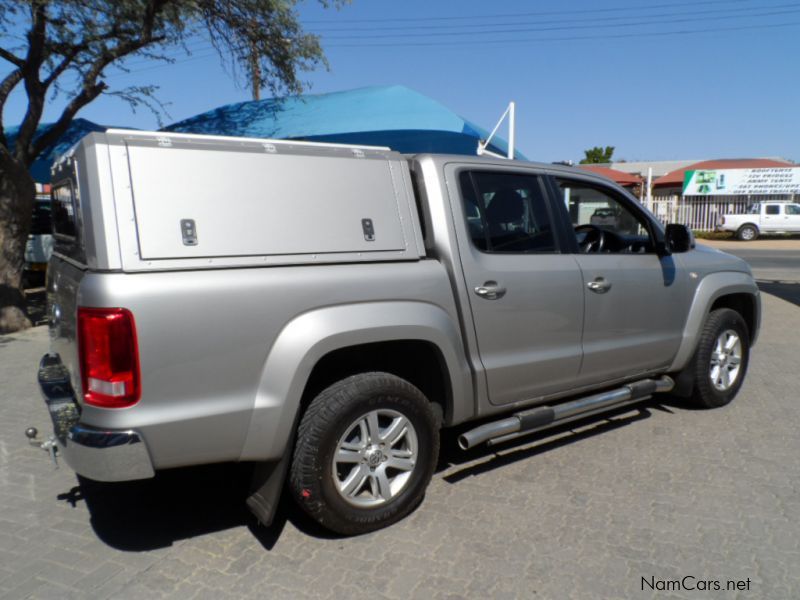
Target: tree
x=598 y=154
x=66 y=47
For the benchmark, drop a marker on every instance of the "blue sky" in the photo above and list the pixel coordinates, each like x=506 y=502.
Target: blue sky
x=583 y=73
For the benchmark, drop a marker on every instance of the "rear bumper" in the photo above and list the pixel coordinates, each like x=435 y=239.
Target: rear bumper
x=99 y=454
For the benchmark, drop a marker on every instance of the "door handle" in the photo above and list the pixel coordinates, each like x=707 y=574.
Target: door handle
x=599 y=285
x=490 y=290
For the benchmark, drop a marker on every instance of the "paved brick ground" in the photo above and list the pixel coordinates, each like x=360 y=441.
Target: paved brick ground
x=662 y=492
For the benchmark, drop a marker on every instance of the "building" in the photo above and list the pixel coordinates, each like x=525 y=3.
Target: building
x=672 y=183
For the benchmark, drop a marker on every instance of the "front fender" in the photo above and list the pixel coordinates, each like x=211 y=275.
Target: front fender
x=713 y=286
x=312 y=335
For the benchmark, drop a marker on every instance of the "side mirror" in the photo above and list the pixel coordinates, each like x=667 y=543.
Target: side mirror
x=678 y=238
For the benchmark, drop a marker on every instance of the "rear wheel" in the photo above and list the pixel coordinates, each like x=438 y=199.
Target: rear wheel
x=365 y=452
x=747 y=233
x=720 y=362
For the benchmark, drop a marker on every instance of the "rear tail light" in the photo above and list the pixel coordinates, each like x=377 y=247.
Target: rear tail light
x=722 y=220
x=109 y=356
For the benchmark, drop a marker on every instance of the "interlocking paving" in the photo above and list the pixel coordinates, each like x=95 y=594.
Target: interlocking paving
x=661 y=491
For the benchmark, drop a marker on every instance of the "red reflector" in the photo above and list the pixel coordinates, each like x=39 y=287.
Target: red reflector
x=109 y=356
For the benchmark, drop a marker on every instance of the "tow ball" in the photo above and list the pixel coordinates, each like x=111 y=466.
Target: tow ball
x=50 y=445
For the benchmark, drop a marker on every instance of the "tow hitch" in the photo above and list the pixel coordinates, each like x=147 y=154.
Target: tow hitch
x=50 y=445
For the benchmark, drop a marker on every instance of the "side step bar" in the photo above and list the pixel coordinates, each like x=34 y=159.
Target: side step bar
x=542 y=417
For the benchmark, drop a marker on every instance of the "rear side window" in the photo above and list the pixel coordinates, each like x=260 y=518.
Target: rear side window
x=507 y=212
x=773 y=209
x=63 y=210
x=793 y=209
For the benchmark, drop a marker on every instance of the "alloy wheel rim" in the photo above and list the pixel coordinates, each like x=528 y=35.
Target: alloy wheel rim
x=726 y=360
x=375 y=457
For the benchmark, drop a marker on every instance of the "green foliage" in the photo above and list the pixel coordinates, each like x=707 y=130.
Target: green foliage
x=598 y=154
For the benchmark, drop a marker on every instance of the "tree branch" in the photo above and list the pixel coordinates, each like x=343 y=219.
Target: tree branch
x=12 y=58
x=59 y=128
x=91 y=88
x=61 y=67
x=9 y=83
x=33 y=87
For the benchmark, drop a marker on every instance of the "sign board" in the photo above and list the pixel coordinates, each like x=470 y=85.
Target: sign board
x=742 y=182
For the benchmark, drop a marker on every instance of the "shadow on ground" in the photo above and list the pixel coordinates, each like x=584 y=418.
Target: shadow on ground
x=789 y=291
x=185 y=503
x=176 y=504
x=462 y=464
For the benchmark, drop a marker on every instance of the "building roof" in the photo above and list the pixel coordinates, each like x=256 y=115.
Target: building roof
x=640 y=167
x=393 y=116
x=622 y=178
x=675 y=178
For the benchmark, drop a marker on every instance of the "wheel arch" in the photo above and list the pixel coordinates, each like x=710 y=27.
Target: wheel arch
x=310 y=348
x=748 y=224
x=742 y=303
x=728 y=289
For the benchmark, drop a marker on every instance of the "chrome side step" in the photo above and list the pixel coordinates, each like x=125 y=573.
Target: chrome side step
x=542 y=417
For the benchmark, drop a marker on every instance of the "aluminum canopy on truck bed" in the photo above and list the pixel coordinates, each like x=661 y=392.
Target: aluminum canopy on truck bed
x=199 y=201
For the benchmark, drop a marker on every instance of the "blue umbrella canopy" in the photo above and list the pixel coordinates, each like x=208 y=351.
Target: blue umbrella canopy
x=40 y=169
x=393 y=116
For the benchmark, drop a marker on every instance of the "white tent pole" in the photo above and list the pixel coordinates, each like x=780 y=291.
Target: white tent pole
x=482 y=145
x=511 y=129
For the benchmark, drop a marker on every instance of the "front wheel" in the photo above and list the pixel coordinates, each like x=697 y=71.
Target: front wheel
x=365 y=452
x=720 y=362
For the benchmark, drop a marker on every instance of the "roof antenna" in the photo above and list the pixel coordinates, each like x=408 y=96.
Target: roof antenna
x=483 y=144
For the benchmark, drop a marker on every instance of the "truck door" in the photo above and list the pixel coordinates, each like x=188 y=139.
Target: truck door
x=524 y=293
x=635 y=301
x=772 y=220
x=792 y=217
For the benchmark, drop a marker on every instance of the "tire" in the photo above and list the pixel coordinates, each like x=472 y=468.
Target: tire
x=747 y=233
x=714 y=388
x=338 y=424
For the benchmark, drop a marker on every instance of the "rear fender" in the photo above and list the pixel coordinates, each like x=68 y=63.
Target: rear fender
x=310 y=336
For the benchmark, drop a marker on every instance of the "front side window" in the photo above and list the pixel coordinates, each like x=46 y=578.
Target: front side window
x=507 y=212
x=601 y=222
x=773 y=209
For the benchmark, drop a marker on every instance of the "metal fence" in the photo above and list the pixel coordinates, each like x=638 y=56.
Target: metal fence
x=702 y=213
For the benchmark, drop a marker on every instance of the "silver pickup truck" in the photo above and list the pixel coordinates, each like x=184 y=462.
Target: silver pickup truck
x=322 y=311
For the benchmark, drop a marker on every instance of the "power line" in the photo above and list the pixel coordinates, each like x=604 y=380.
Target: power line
x=202 y=45
x=526 y=14
x=551 y=21
x=682 y=32
x=557 y=28
x=569 y=38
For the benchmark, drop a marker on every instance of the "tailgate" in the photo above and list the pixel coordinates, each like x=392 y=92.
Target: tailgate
x=63 y=281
